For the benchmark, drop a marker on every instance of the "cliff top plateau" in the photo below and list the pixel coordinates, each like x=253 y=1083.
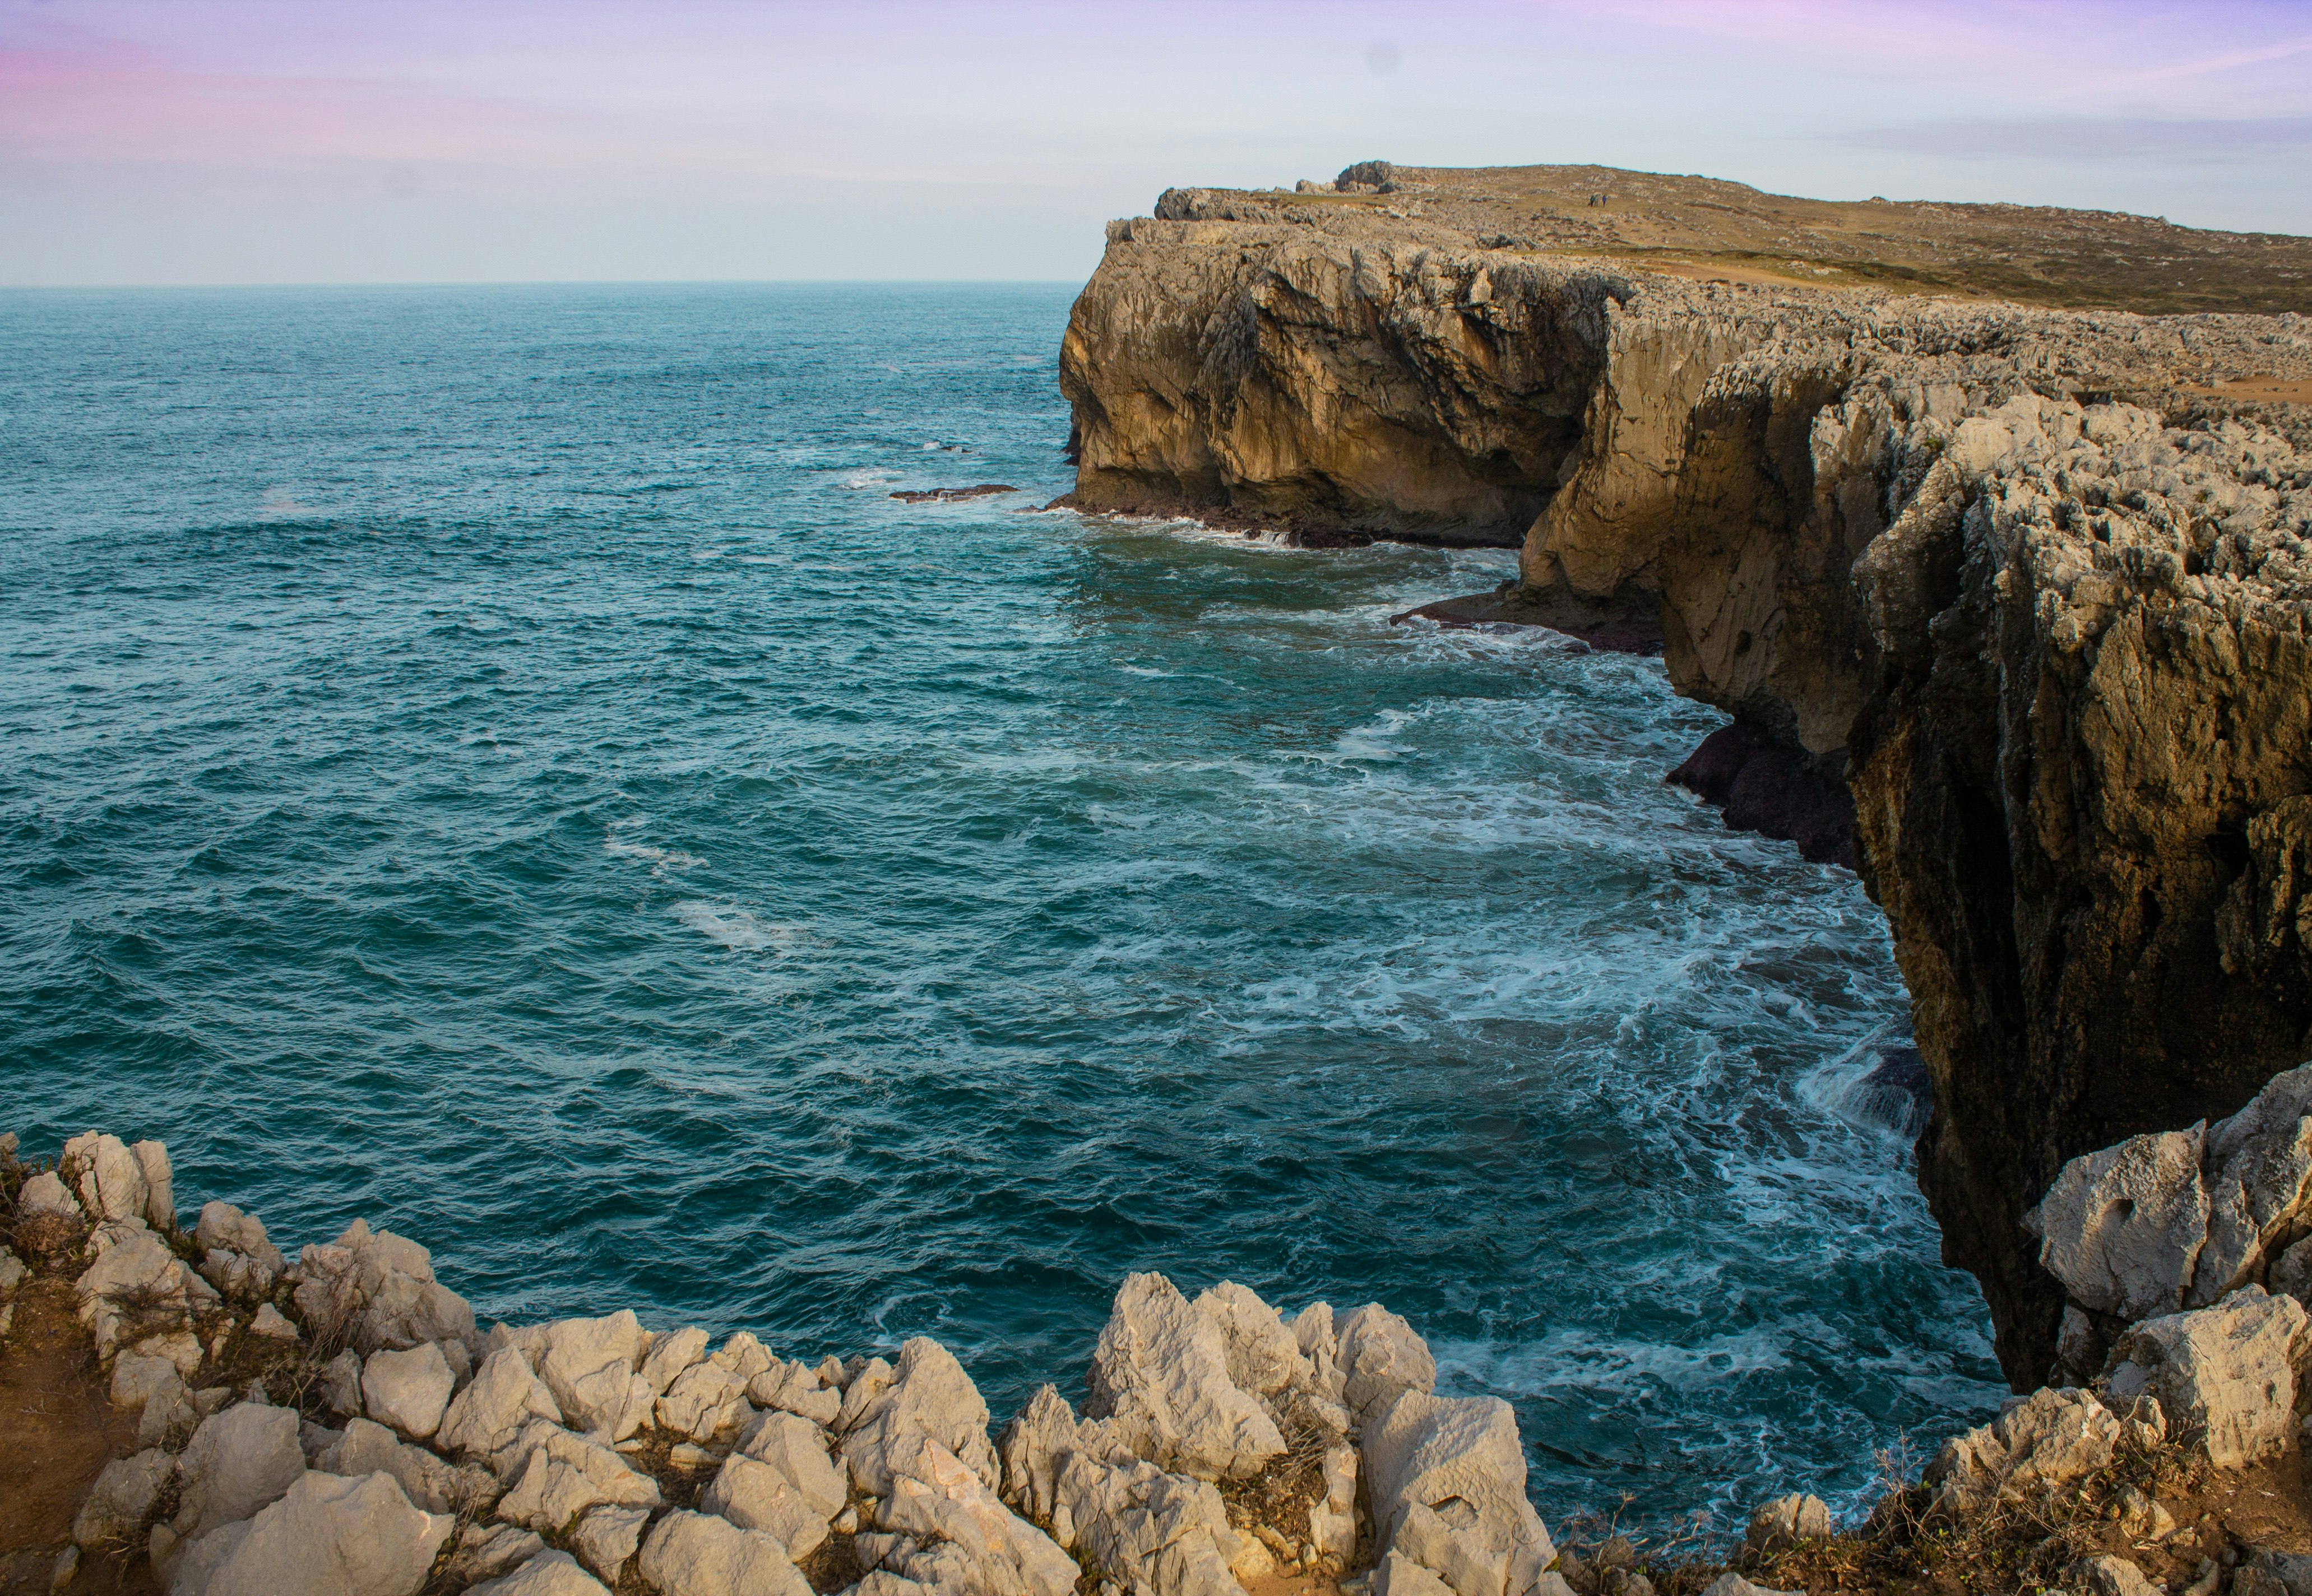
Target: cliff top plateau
x=1708 y=228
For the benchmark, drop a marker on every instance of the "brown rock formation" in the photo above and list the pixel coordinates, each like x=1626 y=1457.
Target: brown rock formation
x=2055 y=643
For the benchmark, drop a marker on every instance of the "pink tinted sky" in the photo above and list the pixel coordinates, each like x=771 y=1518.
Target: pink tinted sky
x=208 y=141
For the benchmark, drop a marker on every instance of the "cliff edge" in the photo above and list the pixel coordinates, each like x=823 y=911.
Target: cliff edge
x=2030 y=582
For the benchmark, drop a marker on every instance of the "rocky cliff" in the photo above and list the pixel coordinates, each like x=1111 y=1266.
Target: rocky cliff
x=2031 y=584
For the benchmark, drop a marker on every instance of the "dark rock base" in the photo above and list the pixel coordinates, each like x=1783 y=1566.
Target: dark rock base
x=1766 y=786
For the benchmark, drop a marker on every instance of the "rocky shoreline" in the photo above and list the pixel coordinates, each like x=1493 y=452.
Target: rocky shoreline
x=339 y=1421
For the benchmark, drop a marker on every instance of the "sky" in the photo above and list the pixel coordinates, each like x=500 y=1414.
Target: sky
x=247 y=141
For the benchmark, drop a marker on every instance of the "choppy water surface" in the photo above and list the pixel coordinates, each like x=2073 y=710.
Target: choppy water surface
x=499 y=762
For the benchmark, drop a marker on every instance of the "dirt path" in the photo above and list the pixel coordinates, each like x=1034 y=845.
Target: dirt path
x=56 y=1433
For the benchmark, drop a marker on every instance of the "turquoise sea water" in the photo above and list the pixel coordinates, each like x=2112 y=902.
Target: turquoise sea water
x=497 y=762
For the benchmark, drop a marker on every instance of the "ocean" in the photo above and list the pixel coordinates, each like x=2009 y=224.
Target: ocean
x=499 y=762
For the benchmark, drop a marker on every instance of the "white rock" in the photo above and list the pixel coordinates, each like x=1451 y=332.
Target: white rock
x=798 y=1389
x=1380 y=1357
x=272 y=1324
x=1313 y=1332
x=485 y=1551
x=607 y=1538
x=2122 y=1228
x=1032 y=1447
x=1332 y=1522
x=2117 y=1577
x=486 y=1416
x=135 y=1289
x=1263 y=1357
x=122 y=1502
x=2050 y=1438
x=220 y=1226
x=929 y=1396
x=107 y=1176
x=1734 y=1584
x=408 y=1390
x=744 y=1355
x=367 y=1448
x=797 y=1449
x=328 y=1536
x=1447 y=1482
x=548 y=1573
x=160 y=1184
x=135 y=1378
x=940 y=1499
x=339 y=1382
x=693 y=1553
x=170 y=1412
x=13 y=1273
x=705 y=1399
x=238 y=1461
x=2224 y=1375
x=754 y=1496
x=1144 y=1528
x=45 y=1193
x=669 y=1355
x=2259 y=1183
x=379 y=1288
x=589 y=1365
x=1785 y=1522
x=1160 y=1372
x=1399 y=1575
x=565 y=1475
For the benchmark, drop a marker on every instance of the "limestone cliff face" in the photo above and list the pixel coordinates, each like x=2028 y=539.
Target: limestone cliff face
x=2055 y=645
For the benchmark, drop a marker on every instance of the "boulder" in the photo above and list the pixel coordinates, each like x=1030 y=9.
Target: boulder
x=485 y=1551
x=1160 y=1372
x=696 y=1553
x=1032 y=1447
x=108 y=1177
x=548 y=1573
x=46 y=1193
x=2116 y=1576
x=223 y=1227
x=338 y=1384
x=1397 y=1574
x=160 y=1184
x=799 y=1389
x=136 y=1291
x=504 y=1398
x=2224 y=1375
x=1734 y=1584
x=1332 y=1522
x=1142 y=1528
x=124 y=1499
x=669 y=1355
x=564 y=1474
x=378 y=1288
x=1447 y=1482
x=928 y=1397
x=703 y=1400
x=326 y=1537
x=754 y=1496
x=797 y=1449
x=589 y=1365
x=408 y=1390
x=1380 y=1357
x=743 y=1355
x=239 y=1460
x=1263 y=1357
x=607 y=1538
x=367 y=1448
x=1785 y=1522
x=939 y=1498
x=170 y=1412
x=2049 y=1438
x=273 y=1325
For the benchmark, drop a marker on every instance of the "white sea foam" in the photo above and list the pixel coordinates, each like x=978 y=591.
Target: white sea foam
x=661 y=859
x=734 y=928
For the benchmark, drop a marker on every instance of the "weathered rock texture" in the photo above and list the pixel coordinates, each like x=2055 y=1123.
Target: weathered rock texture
x=2020 y=579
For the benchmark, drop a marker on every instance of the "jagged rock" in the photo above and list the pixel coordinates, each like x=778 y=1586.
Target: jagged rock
x=1145 y=1527
x=138 y=1291
x=1785 y=1522
x=124 y=1499
x=238 y=1461
x=703 y=1400
x=981 y=1545
x=1161 y=1372
x=273 y=1325
x=607 y=1538
x=1397 y=1574
x=170 y=1412
x=691 y=1554
x=2049 y=1438
x=503 y=1399
x=754 y=1496
x=564 y=1474
x=2116 y=1576
x=589 y=1365
x=379 y=1288
x=1734 y=1584
x=744 y=1355
x=160 y=1184
x=2224 y=1375
x=928 y=1396
x=367 y=1448
x=2122 y=1228
x=1379 y=1357
x=221 y=1228
x=548 y=1573
x=1263 y=1357
x=1332 y=1522
x=408 y=1390
x=13 y=1273
x=797 y=1449
x=1447 y=1481
x=2291 y=1571
x=327 y=1536
x=669 y=1355
x=339 y=1382
x=46 y=1193
x=1033 y=1446
x=799 y=1389
x=108 y=1178
x=485 y=1551
x=137 y=1377
x=2259 y=1184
